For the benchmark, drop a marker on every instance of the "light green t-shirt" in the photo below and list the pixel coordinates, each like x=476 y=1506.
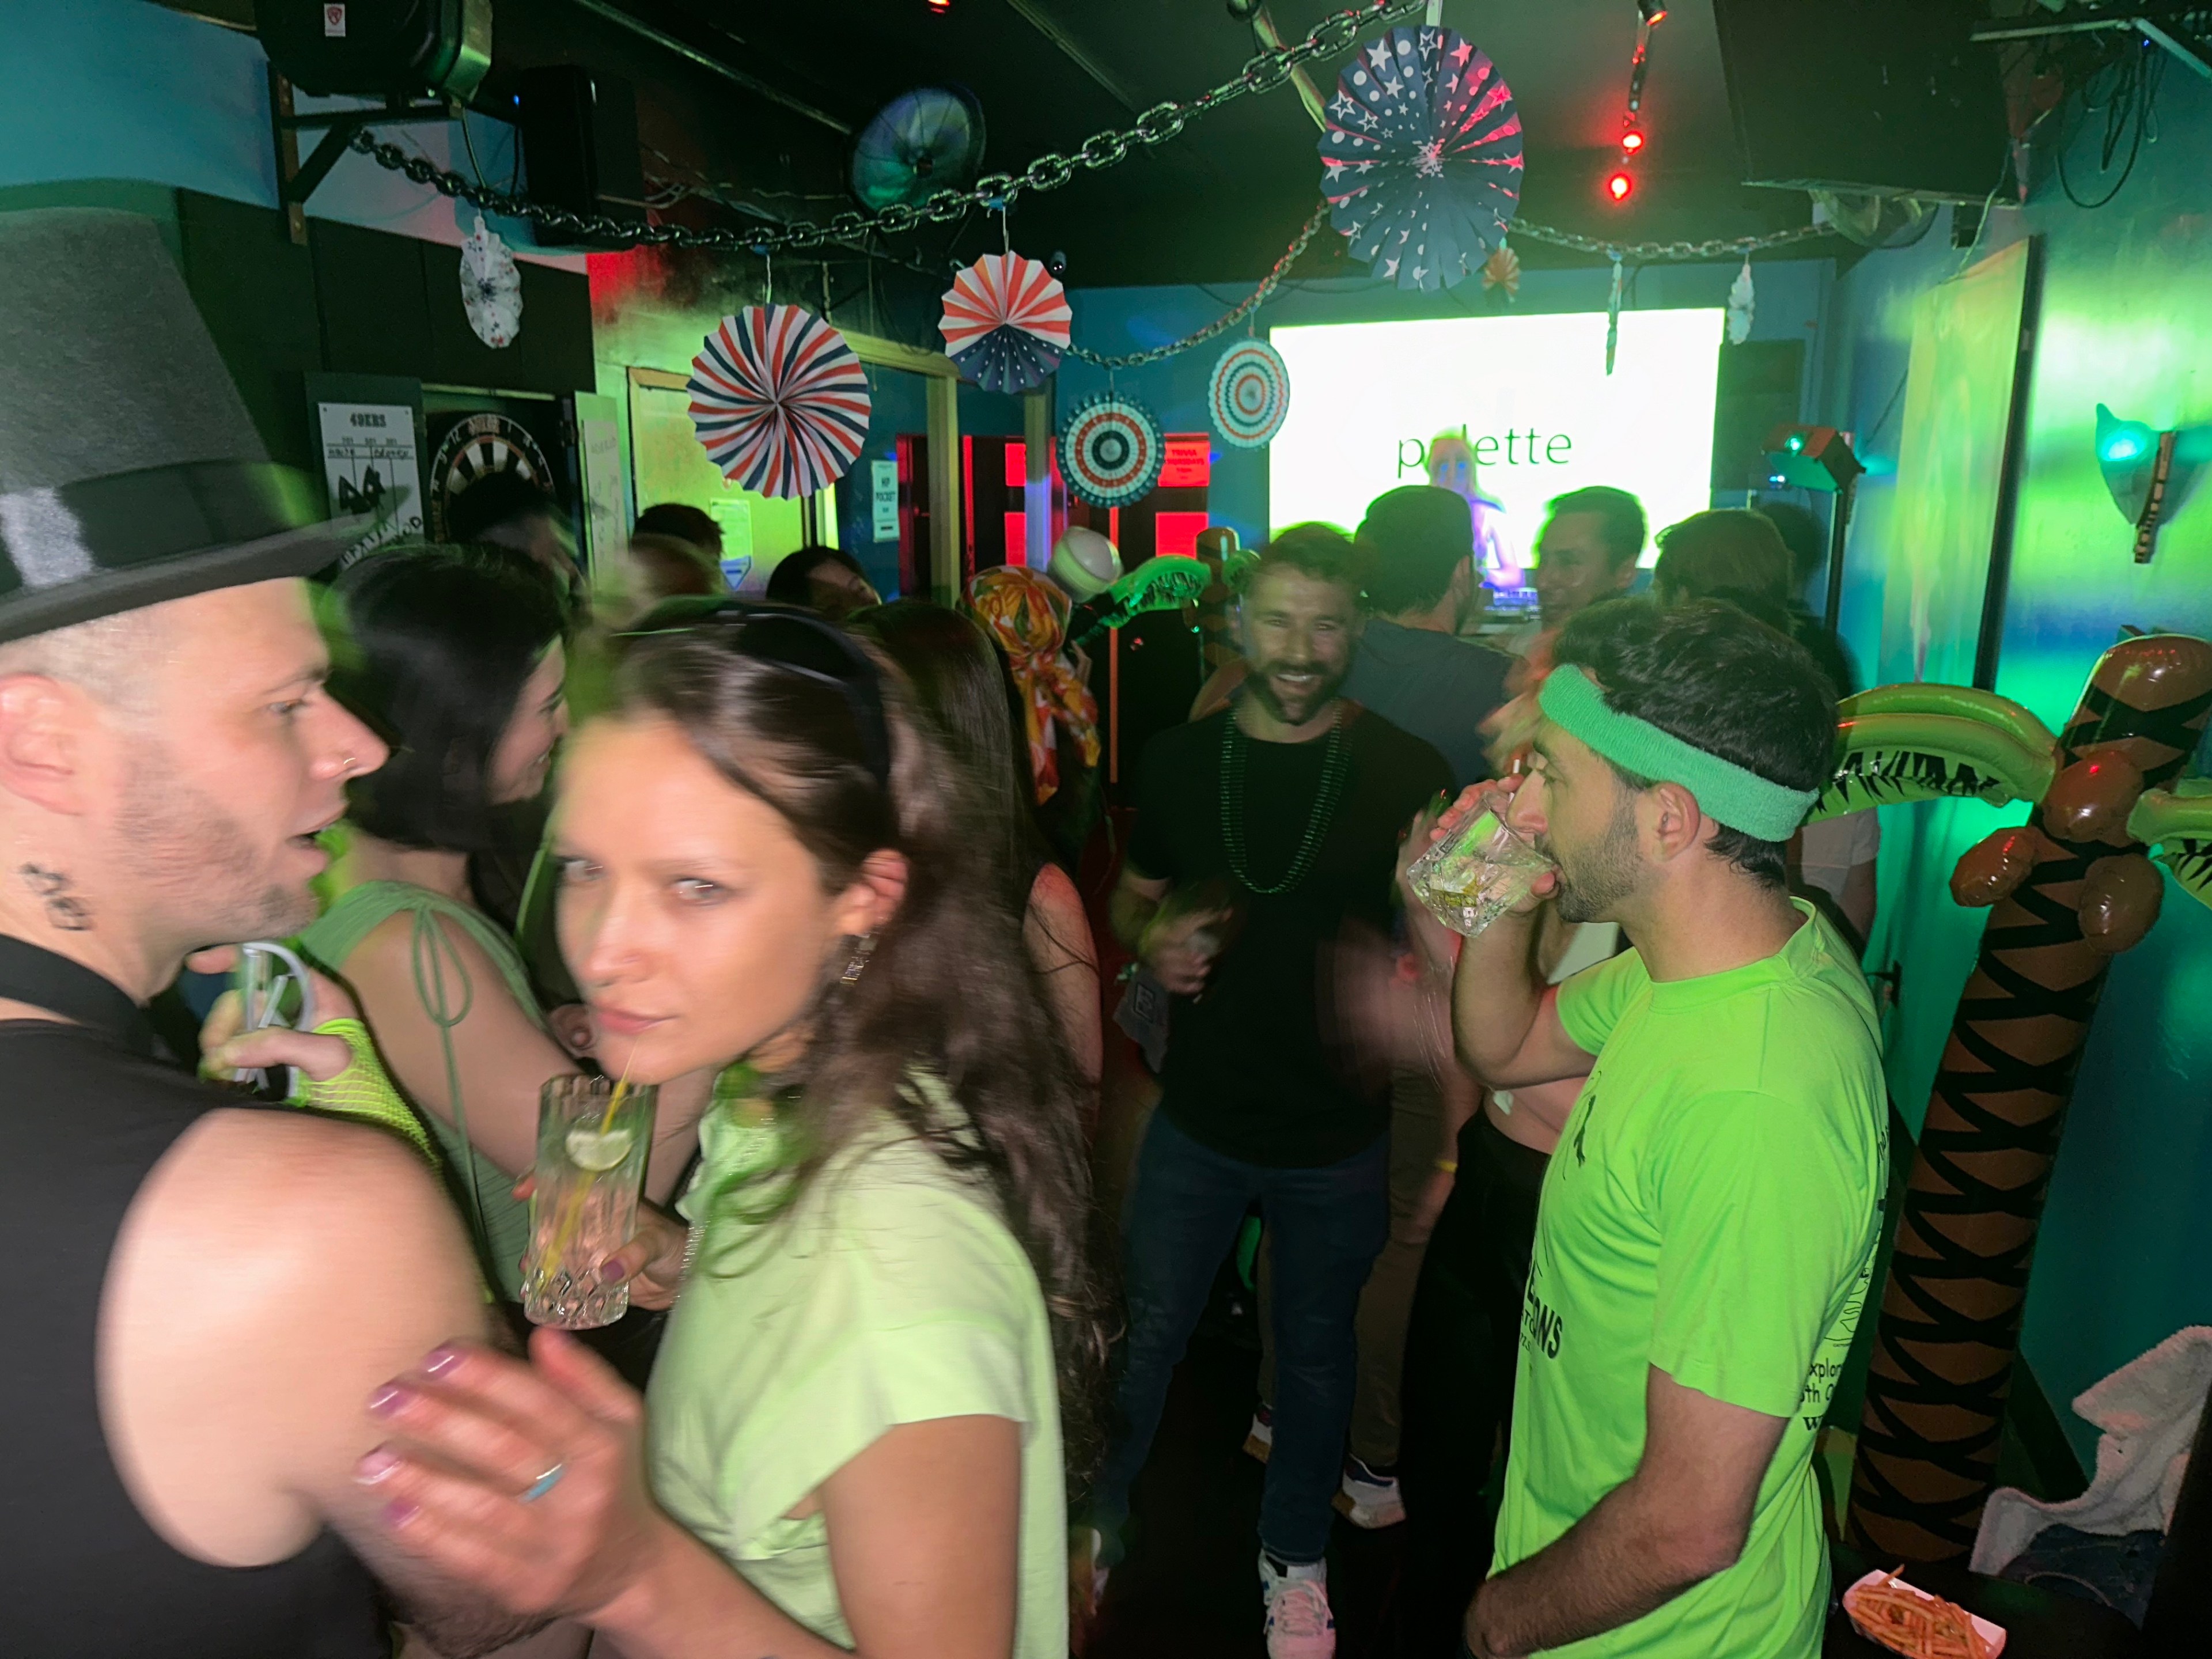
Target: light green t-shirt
x=891 y=1291
x=1712 y=1209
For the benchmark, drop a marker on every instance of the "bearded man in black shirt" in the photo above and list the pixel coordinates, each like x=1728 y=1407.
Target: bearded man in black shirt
x=1261 y=832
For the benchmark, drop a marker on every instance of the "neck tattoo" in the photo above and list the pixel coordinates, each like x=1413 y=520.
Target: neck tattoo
x=1234 y=745
x=64 y=910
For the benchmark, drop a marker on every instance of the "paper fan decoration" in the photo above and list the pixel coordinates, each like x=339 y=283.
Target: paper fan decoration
x=1251 y=393
x=779 y=400
x=1421 y=162
x=1005 y=323
x=1111 y=450
x=491 y=288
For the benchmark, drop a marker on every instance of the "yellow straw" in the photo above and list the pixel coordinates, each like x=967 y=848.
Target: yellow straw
x=571 y=1212
x=622 y=1088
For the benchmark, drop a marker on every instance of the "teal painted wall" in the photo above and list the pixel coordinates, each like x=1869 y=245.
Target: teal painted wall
x=2125 y=319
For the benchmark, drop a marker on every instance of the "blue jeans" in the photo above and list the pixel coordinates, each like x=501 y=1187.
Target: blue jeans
x=1325 y=1227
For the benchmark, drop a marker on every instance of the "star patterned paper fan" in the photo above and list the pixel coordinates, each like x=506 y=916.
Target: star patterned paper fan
x=1251 y=393
x=779 y=400
x=1111 y=450
x=1421 y=161
x=1005 y=323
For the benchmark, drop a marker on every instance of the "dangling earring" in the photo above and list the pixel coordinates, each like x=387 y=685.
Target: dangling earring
x=863 y=948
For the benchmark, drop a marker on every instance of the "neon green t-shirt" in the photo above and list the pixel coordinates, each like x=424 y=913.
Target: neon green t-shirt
x=1712 y=1210
x=891 y=1291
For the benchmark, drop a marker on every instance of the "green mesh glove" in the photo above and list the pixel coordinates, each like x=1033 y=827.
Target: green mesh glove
x=362 y=1093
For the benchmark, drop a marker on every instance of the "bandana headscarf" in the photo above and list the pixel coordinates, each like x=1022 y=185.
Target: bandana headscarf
x=1027 y=618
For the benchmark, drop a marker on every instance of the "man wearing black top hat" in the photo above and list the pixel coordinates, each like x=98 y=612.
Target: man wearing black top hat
x=205 y=1293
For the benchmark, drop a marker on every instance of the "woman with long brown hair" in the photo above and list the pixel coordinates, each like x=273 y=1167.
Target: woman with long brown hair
x=888 y=1320
x=962 y=688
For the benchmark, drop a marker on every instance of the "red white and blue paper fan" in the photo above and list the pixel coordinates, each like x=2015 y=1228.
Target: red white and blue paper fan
x=780 y=401
x=1005 y=323
x=1251 y=393
x=1421 y=161
x=1111 y=450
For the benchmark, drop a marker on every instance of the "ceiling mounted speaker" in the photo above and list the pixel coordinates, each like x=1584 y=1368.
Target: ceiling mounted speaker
x=1882 y=97
x=378 y=48
x=924 y=141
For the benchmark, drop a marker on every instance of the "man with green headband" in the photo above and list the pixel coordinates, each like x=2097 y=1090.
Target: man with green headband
x=1708 y=1224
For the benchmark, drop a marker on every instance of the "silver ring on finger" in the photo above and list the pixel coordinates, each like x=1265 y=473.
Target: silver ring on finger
x=545 y=1483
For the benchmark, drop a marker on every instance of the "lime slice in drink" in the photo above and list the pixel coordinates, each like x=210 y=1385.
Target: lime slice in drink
x=599 y=1149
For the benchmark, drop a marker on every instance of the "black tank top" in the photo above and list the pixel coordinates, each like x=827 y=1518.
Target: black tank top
x=86 y=1113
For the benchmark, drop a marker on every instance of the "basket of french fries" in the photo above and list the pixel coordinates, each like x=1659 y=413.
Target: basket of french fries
x=1907 y=1620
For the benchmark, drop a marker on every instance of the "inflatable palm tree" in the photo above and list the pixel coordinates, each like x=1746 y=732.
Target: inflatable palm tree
x=2067 y=892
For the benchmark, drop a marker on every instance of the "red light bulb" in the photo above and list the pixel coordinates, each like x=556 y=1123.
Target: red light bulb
x=940 y=7
x=1630 y=142
x=1620 y=186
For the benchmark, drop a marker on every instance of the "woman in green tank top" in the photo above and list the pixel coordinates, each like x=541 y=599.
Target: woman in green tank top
x=457 y=657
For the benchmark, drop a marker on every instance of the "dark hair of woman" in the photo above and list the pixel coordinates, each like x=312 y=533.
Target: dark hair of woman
x=787 y=582
x=1068 y=819
x=961 y=684
x=949 y=989
x=431 y=648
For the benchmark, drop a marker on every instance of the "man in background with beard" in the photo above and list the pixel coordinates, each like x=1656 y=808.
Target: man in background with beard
x=1708 y=1224
x=1262 y=830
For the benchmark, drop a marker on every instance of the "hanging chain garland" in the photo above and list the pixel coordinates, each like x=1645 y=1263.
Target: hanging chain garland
x=1162 y=122
x=1228 y=320
x=1653 y=253
x=1165 y=121
x=1635 y=253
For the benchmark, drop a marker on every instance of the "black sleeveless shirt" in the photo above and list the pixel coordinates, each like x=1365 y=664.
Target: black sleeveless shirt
x=86 y=1112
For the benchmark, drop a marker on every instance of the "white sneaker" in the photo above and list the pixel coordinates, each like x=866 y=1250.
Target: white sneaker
x=1368 y=1499
x=1299 y=1623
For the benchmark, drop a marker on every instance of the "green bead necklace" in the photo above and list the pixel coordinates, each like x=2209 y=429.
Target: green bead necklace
x=1317 y=820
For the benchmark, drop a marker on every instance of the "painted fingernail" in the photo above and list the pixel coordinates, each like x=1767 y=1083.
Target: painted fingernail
x=376 y=1469
x=440 y=1361
x=389 y=1400
x=399 y=1513
x=611 y=1273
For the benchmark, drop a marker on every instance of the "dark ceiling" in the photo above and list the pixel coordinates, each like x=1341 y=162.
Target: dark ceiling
x=1218 y=204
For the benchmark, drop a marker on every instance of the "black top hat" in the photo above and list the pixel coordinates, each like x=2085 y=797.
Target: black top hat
x=129 y=472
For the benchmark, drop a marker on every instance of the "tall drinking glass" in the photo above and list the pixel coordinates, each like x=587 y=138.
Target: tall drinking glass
x=1476 y=873
x=593 y=1136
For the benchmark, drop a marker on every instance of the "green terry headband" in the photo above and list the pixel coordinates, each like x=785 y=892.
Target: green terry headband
x=1726 y=793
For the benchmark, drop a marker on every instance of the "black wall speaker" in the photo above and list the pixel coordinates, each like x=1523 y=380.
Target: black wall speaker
x=1884 y=96
x=580 y=143
x=1761 y=383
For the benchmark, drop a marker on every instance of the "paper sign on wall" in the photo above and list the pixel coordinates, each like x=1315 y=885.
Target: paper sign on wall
x=598 y=437
x=370 y=464
x=883 y=497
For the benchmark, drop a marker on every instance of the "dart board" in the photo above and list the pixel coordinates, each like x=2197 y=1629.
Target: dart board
x=477 y=447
